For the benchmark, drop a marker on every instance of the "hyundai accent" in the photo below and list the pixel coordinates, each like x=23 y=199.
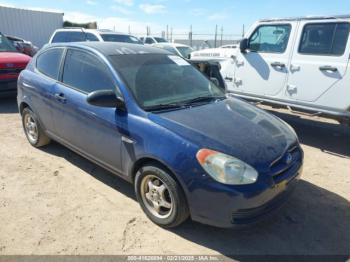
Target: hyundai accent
x=150 y=117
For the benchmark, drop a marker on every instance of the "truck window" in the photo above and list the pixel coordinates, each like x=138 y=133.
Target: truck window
x=270 y=38
x=149 y=40
x=324 y=39
x=68 y=36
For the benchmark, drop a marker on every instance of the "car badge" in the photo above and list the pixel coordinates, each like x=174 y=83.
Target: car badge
x=289 y=158
x=9 y=65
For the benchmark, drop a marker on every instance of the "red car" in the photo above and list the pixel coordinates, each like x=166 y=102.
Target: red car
x=11 y=64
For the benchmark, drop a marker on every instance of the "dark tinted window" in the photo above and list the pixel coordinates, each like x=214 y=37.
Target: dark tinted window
x=86 y=72
x=120 y=38
x=91 y=37
x=149 y=40
x=270 y=38
x=64 y=37
x=324 y=39
x=48 y=62
x=160 y=40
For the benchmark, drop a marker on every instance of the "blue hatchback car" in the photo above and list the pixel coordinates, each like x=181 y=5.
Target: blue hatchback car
x=156 y=121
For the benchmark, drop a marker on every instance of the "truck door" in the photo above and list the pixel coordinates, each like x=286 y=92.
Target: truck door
x=319 y=59
x=263 y=69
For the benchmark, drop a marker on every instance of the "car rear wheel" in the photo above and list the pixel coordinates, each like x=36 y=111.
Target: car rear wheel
x=160 y=196
x=34 y=133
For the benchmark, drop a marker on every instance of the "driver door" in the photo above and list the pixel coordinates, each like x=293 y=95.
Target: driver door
x=263 y=69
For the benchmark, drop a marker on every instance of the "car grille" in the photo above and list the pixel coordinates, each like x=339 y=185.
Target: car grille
x=10 y=71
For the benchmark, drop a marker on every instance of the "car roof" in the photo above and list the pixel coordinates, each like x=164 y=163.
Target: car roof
x=98 y=31
x=171 y=44
x=112 y=48
x=306 y=18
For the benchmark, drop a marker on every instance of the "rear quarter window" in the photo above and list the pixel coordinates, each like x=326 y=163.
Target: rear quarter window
x=48 y=63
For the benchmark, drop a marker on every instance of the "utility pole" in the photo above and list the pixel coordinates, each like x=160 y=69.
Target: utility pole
x=190 y=36
x=243 y=31
x=216 y=35
x=167 y=32
x=171 y=34
x=222 y=33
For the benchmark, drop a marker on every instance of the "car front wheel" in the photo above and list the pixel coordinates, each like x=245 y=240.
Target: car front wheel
x=160 y=196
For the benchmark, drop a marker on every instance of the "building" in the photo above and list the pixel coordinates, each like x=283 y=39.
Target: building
x=31 y=25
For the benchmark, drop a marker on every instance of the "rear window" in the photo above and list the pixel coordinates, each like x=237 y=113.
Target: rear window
x=49 y=62
x=65 y=37
x=160 y=40
x=120 y=38
x=324 y=39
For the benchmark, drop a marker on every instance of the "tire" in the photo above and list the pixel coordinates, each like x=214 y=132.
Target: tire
x=166 y=217
x=32 y=128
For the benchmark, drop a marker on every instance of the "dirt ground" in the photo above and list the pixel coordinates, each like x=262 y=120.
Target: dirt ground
x=53 y=201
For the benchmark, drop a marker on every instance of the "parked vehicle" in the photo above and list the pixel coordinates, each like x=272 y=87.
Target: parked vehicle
x=150 y=40
x=23 y=46
x=11 y=64
x=210 y=69
x=301 y=63
x=152 y=118
x=176 y=49
x=66 y=35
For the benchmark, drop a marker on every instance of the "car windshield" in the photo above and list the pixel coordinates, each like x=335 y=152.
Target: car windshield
x=120 y=38
x=5 y=45
x=160 y=40
x=185 y=51
x=160 y=80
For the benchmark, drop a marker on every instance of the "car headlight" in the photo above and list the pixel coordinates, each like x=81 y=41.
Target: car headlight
x=226 y=169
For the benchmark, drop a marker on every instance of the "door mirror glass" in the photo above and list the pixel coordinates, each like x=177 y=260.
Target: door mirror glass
x=105 y=98
x=243 y=45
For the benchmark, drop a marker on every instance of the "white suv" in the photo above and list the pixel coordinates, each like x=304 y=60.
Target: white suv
x=301 y=63
x=150 y=40
x=81 y=35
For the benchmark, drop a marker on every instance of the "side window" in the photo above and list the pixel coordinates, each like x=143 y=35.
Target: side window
x=270 y=38
x=85 y=72
x=69 y=36
x=90 y=37
x=149 y=40
x=49 y=62
x=324 y=39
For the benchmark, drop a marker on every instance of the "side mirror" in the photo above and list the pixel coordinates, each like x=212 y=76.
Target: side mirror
x=215 y=81
x=244 y=45
x=105 y=98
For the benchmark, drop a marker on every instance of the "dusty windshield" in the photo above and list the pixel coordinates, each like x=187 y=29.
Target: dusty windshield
x=164 y=80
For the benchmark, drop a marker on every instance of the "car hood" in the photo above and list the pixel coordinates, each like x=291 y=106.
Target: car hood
x=13 y=59
x=232 y=127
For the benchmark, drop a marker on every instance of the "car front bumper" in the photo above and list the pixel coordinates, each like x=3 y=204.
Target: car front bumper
x=226 y=206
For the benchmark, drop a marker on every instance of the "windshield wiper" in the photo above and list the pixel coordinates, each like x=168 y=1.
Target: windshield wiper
x=164 y=106
x=204 y=99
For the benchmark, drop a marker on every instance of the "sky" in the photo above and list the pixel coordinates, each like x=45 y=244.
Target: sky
x=203 y=15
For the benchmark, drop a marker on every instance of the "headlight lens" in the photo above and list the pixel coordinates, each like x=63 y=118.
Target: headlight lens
x=226 y=169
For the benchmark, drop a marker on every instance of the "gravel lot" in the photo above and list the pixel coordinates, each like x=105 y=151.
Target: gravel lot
x=53 y=201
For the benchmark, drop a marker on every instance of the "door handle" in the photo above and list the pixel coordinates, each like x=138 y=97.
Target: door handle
x=278 y=64
x=328 y=68
x=60 y=97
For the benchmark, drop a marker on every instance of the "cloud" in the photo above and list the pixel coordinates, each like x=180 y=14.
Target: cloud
x=79 y=17
x=217 y=16
x=152 y=8
x=6 y=4
x=121 y=10
x=125 y=2
x=91 y=2
x=197 y=12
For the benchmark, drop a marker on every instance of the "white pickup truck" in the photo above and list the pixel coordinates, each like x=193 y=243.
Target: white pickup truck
x=301 y=63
